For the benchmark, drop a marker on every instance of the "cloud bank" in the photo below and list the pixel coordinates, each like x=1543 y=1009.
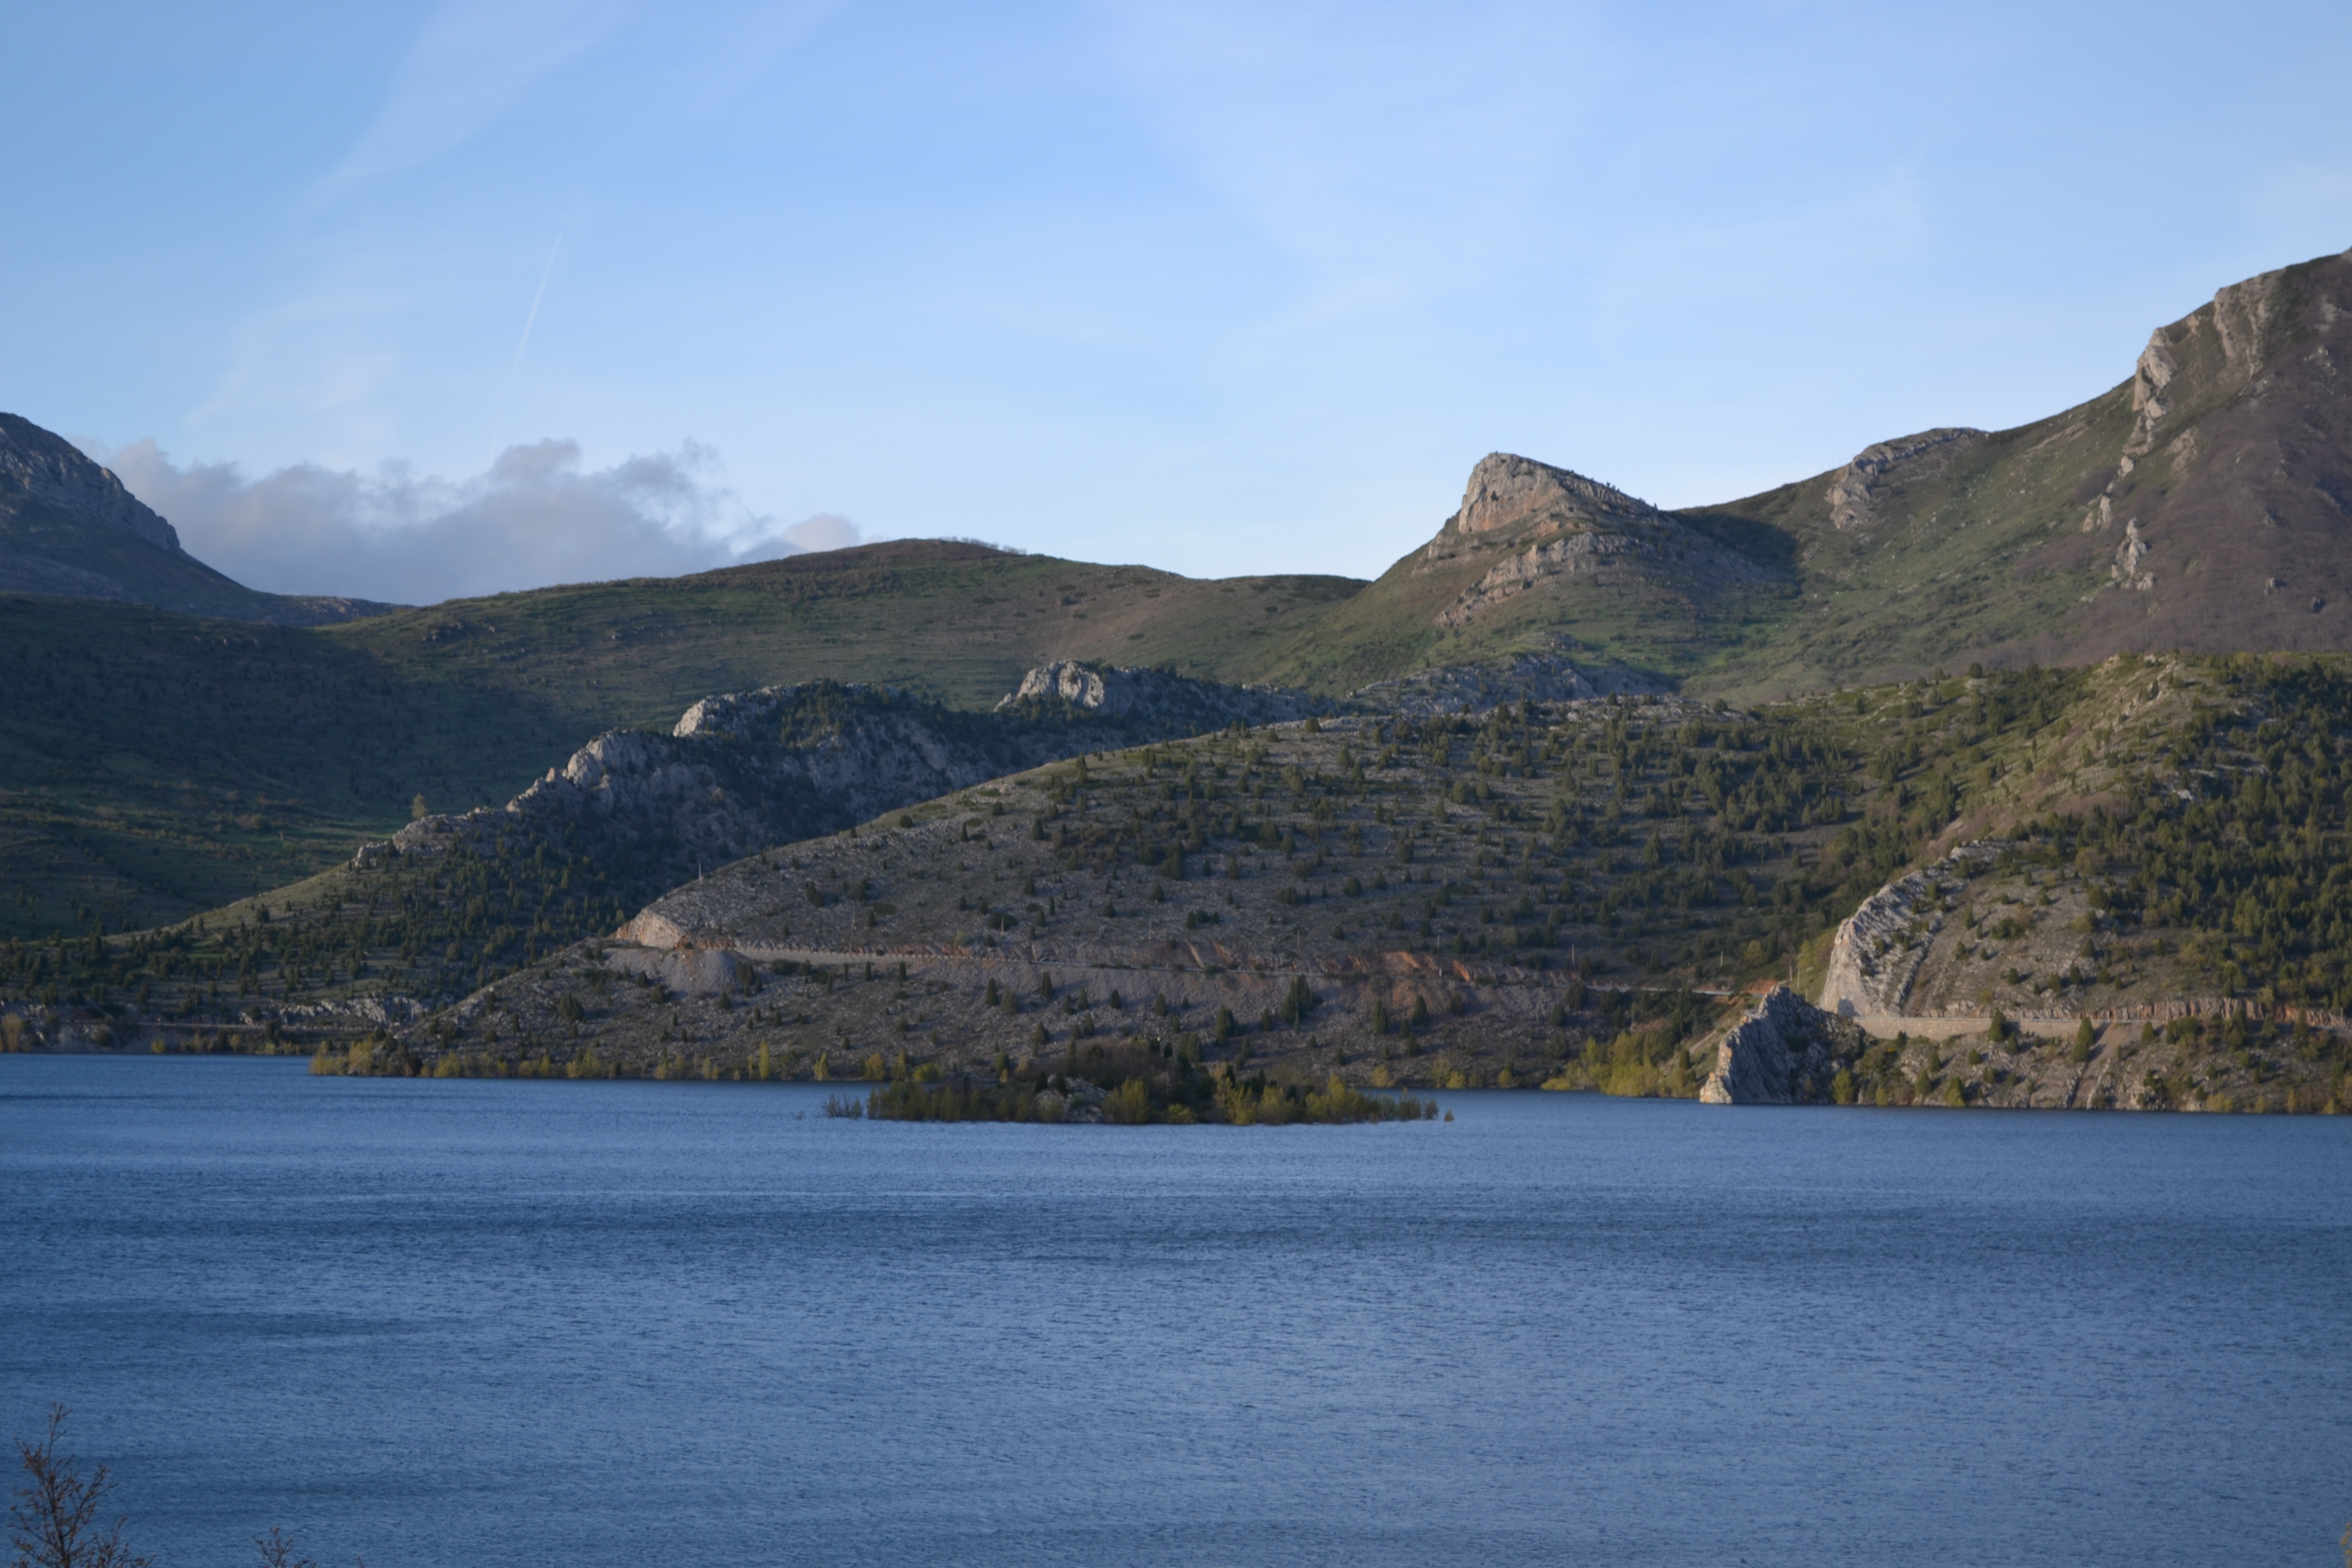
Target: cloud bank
x=535 y=517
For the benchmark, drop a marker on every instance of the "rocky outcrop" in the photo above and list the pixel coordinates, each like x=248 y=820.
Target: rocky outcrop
x=69 y=528
x=1559 y=526
x=2241 y=325
x=2125 y=572
x=1507 y=492
x=1786 y=1051
x=43 y=470
x=745 y=770
x=1853 y=488
x=687 y=972
x=1878 y=949
x=1116 y=692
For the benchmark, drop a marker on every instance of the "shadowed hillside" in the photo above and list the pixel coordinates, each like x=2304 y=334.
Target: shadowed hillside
x=68 y=527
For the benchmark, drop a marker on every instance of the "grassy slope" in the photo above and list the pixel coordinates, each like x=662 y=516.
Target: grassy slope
x=1390 y=629
x=959 y=624
x=151 y=765
x=143 y=753
x=1942 y=577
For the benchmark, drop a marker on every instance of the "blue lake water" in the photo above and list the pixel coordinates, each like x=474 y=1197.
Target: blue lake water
x=444 y=1322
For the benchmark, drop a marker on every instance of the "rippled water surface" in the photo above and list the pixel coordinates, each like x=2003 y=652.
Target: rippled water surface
x=470 y=1323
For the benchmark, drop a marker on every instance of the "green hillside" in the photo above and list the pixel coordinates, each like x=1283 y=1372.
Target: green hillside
x=1545 y=891
x=1550 y=893
x=956 y=623
x=153 y=765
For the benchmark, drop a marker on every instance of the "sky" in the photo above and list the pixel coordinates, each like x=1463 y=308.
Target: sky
x=411 y=301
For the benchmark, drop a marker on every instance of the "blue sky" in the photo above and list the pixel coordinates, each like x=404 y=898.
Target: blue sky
x=1220 y=288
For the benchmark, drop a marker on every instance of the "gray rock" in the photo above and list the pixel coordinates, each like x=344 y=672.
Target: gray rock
x=48 y=470
x=1853 y=488
x=1116 y=692
x=689 y=972
x=1786 y=1051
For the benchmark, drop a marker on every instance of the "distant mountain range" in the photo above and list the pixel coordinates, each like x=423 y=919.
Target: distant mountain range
x=157 y=757
x=2204 y=503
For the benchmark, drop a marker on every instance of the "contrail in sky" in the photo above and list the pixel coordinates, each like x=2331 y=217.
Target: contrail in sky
x=536 y=295
x=506 y=398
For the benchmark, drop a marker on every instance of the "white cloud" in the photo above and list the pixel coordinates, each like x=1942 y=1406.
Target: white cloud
x=825 y=530
x=535 y=517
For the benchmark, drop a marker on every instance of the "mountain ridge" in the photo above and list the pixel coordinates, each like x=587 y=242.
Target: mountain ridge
x=68 y=528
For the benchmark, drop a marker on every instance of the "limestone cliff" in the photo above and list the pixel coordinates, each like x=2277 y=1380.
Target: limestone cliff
x=1786 y=1051
x=1876 y=954
x=1551 y=525
x=1156 y=695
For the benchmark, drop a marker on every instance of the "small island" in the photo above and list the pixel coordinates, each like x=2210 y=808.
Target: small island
x=1131 y=1087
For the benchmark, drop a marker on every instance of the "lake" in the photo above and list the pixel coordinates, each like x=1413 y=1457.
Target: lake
x=464 y=1321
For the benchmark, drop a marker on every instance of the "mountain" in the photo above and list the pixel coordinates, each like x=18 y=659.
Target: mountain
x=954 y=621
x=154 y=764
x=1580 y=893
x=2202 y=504
x=453 y=900
x=68 y=528
x=1536 y=561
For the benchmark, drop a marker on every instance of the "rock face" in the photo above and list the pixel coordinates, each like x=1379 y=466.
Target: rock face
x=1507 y=491
x=1878 y=949
x=2232 y=487
x=68 y=527
x=1560 y=529
x=745 y=770
x=47 y=470
x=1851 y=489
x=1786 y=1051
x=1116 y=692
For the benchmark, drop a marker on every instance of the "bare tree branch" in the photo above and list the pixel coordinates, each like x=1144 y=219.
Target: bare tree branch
x=54 y=1520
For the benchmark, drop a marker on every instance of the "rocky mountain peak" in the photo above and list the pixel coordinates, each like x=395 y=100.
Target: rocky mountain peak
x=1507 y=491
x=1526 y=526
x=49 y=471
